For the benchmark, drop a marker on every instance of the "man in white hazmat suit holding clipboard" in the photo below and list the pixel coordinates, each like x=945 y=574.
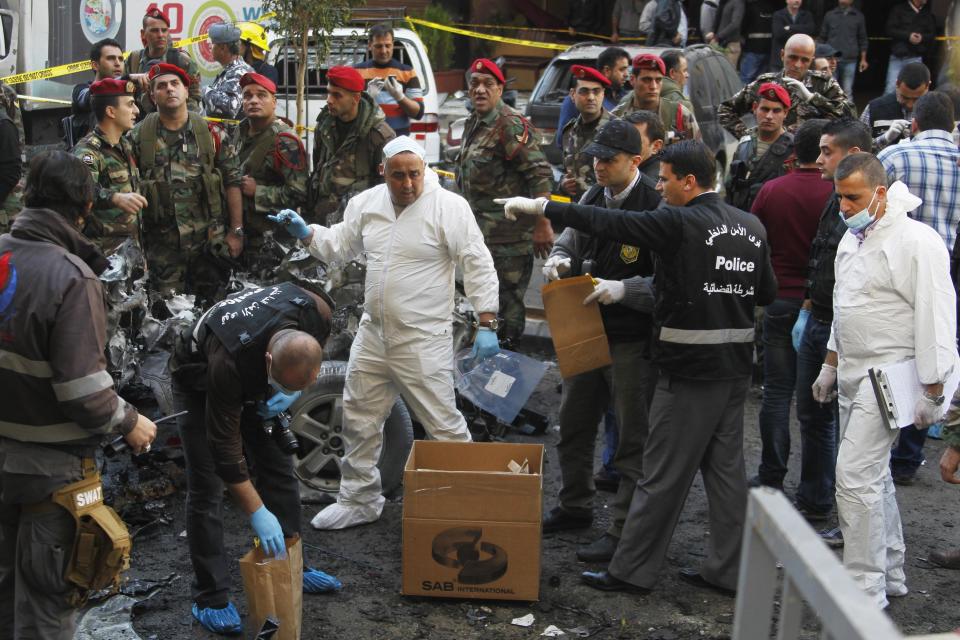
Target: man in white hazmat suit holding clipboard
x=414 y=234
x=893 y=301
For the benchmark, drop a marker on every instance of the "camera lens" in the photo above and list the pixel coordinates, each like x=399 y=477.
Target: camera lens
x=285 y=439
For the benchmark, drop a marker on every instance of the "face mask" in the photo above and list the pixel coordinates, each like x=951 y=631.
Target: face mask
x=276 y=385
x=862 y=219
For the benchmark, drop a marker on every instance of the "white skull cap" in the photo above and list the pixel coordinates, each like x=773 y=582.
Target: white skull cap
x=403 y=144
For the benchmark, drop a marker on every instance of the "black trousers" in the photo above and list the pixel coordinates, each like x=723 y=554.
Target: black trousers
x=275 y=482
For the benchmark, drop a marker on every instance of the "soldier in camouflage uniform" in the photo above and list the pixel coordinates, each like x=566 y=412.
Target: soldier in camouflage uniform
x=188 y=168
x=589 y=85
x=500 y=158
x=155 y=34
x=11 y=156
x=109 y=156
x=222 y=98
x=274 y=166
x=347 y=146
x=812 y=94
x=677 y=117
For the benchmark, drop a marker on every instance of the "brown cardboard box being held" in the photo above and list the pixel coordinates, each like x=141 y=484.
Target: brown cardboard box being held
x=471 y=527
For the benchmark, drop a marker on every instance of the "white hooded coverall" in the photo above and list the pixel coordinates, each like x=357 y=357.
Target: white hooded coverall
x=404 y=344
x=893 y=300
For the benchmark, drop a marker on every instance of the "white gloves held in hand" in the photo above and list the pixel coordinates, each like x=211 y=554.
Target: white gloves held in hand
x=607 y=292
x=823 y=386
x=554 y=267
x=801 y=89
x=896 y=130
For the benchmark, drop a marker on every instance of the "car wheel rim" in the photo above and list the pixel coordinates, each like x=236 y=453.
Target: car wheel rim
x=318 y=425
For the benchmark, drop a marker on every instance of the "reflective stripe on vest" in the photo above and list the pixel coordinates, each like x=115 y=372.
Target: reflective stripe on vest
x=706 y=336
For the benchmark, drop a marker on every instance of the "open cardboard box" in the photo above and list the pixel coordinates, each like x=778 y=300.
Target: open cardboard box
x=471 y=528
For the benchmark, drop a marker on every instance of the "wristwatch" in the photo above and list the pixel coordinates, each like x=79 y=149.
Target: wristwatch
x=936 y=400
x=493 y=325
x=237 y=231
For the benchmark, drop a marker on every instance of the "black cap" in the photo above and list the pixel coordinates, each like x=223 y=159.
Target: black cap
x=617 y=136
x=825 y=50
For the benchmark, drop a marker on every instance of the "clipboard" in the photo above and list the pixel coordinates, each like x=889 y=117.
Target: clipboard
x=897 y=388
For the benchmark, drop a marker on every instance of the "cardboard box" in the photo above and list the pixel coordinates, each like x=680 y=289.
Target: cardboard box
x=471 y=528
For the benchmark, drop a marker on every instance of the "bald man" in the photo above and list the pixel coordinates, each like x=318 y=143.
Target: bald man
x=243 y=364
x=813 y=94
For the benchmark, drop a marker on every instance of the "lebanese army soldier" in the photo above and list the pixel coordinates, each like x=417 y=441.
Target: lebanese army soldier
x=155 y=34
x=188 y=169
x=812 y=94
x=109 y=156
x=12 y=143
x=500 y=157
x=763 y=154
x=347 y=146
x=677 y=116
x=589 y=85
x=222 y=98
x=273 y=162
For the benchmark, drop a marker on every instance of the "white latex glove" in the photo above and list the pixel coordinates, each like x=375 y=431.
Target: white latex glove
x=823 y=386
x=374 y=87
x=896 y=130
x=801 y=89
x=607 y=292
x=926 y=412
x=554 y=267
x=515 y=207
x=394 y=88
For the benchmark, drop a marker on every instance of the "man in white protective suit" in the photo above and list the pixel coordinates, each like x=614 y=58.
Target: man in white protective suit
x=414 y=235
x=893 y=300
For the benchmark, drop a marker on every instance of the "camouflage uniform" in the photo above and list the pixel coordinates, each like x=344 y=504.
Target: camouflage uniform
x=343 y=168
x=114 y=170
x=669 y=113
x=828 y=101
x=576 y=136
x=276 y=159
x=10 y=110
x=140 y=62
x=183 y=182
x=224 y=98
x=749 y=170
x=500 y=158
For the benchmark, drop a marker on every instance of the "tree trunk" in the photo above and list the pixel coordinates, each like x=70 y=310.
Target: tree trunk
x=302 y=52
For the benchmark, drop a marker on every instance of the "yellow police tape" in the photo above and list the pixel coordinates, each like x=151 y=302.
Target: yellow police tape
x=67 y=102
x=84 y=65
x=587 y=34
x=484 y=36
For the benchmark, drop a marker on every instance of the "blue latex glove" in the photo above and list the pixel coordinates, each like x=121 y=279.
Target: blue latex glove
x=279 y=402
x=797 y=332
x=269 y=531
x=485 y=344
x=292 y=222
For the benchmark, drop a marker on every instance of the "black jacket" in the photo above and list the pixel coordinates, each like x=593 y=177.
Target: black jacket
x=884 y=109
x=823 y=253
x=846 y=31
x=783 y=28
x=903 y=21
x=712 y=269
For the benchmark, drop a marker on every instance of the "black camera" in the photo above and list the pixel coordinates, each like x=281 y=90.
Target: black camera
x=279 y=428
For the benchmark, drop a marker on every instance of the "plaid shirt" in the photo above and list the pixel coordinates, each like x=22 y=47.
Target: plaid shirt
x=927 y=164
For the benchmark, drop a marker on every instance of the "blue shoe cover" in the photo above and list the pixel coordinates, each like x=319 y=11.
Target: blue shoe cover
x=316 y=581
x=225 y=621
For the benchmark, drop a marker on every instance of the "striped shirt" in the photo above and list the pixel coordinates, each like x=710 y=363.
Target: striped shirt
x=407 y=77
x=927 y=164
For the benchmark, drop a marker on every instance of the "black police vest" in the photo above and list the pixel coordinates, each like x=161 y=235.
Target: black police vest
x=823 y=254
x=884 y=109
x=245 y=322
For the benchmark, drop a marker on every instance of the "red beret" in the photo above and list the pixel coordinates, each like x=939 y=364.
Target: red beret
x=158 y=15
x=649 y=61
x=483 y=65
x=113 y=87
x=775 y=92
x=346 y=78
x=255 y=78
x=589 y=73
x=163 y=68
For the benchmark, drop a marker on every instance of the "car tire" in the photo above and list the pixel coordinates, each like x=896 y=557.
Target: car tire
x=318 y=424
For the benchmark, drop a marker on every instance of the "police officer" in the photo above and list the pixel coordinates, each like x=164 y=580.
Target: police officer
x=500 y=157
x=274 y=166
x=236 y=371
x=12 y=142
x=347 y=146
x=222 y=98
x=155 y=34
x=622 y=274
x=59 y=399
x=587 y=93
x=766 y=152
x=109 y=156
x=812 y=94
x=676 y=115
x=187 y=168
x=712 y=269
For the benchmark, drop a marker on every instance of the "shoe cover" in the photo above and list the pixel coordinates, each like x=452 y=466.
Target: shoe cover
x=316 y=581
x=342 y=516
x=225 y=621
x=896 y=589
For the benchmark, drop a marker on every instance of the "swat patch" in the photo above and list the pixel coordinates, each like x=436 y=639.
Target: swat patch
x=629 y=254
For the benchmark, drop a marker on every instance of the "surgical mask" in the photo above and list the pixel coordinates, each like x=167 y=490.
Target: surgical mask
x=276 y=385
x=862 y=219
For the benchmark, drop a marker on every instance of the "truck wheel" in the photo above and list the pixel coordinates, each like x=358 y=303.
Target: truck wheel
x=318 y=424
